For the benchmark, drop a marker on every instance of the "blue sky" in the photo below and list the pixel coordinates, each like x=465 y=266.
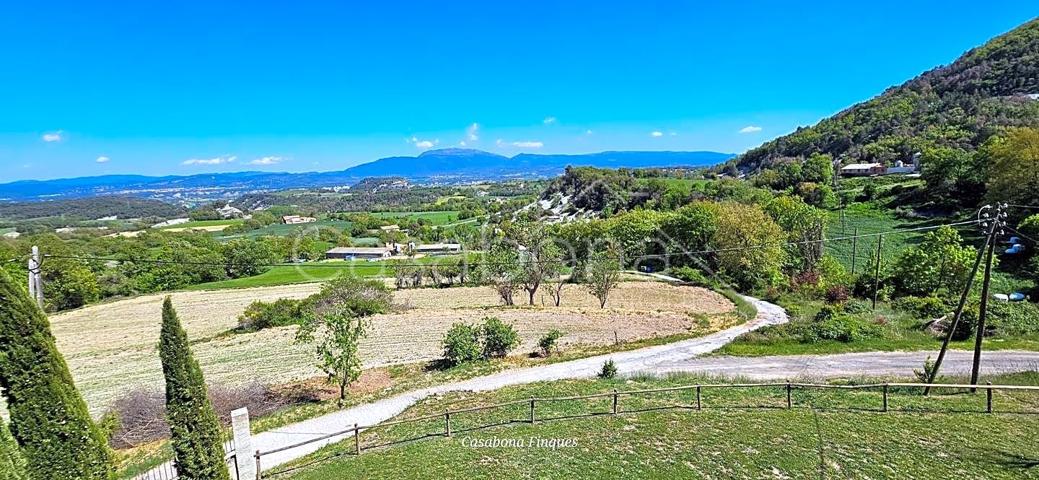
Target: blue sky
x=151 y=87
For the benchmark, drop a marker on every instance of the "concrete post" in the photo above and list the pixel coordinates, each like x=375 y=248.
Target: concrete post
x=243 y=444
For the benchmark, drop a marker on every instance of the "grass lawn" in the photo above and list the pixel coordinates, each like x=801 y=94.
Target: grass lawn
x=436 y=218
x=313 y=272
x=827 y=434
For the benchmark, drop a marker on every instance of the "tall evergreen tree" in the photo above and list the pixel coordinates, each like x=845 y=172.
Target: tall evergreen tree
x=12 y=465
x=195 y=430
x=49 y=419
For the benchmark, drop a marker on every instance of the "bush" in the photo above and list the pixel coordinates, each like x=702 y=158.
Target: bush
x=834 y=324
x=837 y=295
x=692 y=275
x=857 y=306
x=922 y=307
x=462 y=344
x=547 y=343
x=12 y=465
x=609 y=369
x=499 y=338
x=281 y=313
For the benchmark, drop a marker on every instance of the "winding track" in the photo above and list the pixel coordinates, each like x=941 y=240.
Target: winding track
x=645 y=359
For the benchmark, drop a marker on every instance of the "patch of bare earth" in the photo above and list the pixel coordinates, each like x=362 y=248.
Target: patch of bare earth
x=110 y=348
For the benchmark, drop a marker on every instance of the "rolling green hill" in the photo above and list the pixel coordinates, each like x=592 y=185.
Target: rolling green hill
x=953 y=108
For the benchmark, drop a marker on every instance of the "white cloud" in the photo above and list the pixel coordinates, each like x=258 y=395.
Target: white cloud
x=271 y=160
x=528 y=144
x=462 y=143
x=472 y=133
x=211 y=161
x=750 y=129
x=588 y=132
x=423 y=144
x=102 y=159
x=656 y=134
x=550 y=120
x=51 y=137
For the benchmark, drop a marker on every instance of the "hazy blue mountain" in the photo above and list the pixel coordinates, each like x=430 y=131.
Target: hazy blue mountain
x=445 y=165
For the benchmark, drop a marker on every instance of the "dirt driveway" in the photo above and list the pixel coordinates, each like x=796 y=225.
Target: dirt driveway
x=110 y=348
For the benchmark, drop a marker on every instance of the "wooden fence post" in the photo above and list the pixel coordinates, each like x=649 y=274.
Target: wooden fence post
x=357 y=440
x=699 y=406
x=447 y=423
x=615 y=398
x=789 y=403
x=988 y=398
x=531 y=409
x=258 y=470
x=885 y=397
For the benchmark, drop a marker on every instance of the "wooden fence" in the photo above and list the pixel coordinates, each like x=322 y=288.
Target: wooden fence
x=615 y=407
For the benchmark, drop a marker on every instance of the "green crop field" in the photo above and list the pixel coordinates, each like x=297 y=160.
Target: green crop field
x=313 y=272
x=437 y=218
x=281 y=229
x=744 y=433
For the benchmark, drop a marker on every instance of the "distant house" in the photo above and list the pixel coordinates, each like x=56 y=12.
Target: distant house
x=437 y=248
x=901 y=167
x=296 y=219
x=863 y=170
x=358 y=253
x=229 y=212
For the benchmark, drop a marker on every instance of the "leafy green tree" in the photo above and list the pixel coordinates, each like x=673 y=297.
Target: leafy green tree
x=635 y=234
x=12 y=465
x=69 y=284
x=750 y=246
x=245 y=258
x=194 y=427
x=541 y=258
x=499 y=338
x=690 y=229
x=343 y=309
x=1013 y=173
x=462 y=344
x=502 y=270
x=49 y=419
x=952 y=175
x=939 y=262
x=818 y=169
x=602 y=272
x=804 y=226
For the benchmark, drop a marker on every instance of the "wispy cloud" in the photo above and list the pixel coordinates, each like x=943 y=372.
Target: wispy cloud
x=103 y=159
x=550 y=120
x=656 y=134
x=472 y=133
x=223 y=159
x=528 y=144
x=271 y=160
x=589 y=132
x=51 y=137
x=750 y=129
x=423 y=144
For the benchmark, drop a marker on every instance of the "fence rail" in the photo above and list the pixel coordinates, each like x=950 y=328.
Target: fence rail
x=447 y=415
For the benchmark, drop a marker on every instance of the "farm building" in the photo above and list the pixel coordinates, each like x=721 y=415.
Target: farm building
x=863 y=170
x=359 y=253
x=438 y=248
x=296 y=219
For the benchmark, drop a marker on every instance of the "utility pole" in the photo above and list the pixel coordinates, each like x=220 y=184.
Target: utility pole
x=876 y=272
x=986 y=222
x=983 y=311
x=35 y=278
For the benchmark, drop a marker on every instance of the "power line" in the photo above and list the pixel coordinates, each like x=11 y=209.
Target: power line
x=1023 y=206
x=395 y=264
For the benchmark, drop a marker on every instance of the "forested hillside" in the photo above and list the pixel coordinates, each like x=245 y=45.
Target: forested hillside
x=90 y=209
x=949 y=111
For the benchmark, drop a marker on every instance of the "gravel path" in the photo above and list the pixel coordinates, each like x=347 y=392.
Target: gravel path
x=645 y=359
x=878 y=364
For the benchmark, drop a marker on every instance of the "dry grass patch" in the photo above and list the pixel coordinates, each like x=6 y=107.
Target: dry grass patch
x=110 y=348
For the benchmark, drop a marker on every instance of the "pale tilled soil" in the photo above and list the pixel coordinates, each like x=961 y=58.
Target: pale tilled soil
x=110 y=348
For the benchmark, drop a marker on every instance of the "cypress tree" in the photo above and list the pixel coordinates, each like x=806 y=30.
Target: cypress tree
x=12 y=465
x=49 y=419
x=195 y=429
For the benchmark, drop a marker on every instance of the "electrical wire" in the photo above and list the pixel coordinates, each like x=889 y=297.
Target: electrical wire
x=478 y=263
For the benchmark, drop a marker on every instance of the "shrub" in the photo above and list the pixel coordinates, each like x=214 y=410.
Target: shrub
x=12 y=465
x=195 y=430
x=834 y=324
x=837 y=295
x=498 y=338
x=282 y=312
x=692 y=275
x=49 y=418
x=857 y=306
x=462 y=344
x=609 y=369
x=547 y=343
x=922 y=307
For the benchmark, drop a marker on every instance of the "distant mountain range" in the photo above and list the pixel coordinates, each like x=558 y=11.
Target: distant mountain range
x=435 y=166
